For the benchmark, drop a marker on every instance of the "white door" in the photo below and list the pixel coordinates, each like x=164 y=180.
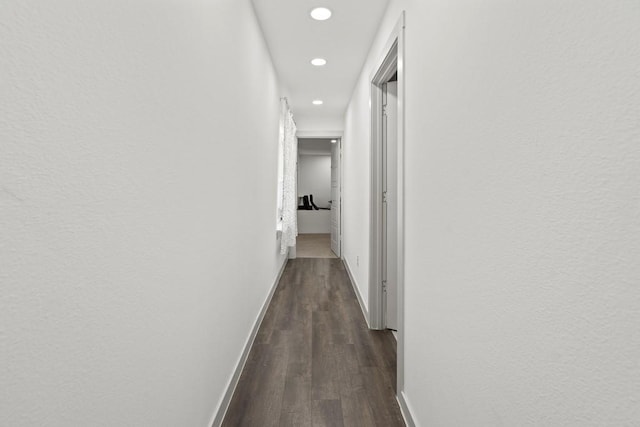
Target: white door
x=390 y=202
x=335 y=197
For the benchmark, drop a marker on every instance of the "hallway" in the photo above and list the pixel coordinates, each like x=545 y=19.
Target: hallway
x=314 y=361
x=149 y=185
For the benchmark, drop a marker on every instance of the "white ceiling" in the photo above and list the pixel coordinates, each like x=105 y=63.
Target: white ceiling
x=294 y=39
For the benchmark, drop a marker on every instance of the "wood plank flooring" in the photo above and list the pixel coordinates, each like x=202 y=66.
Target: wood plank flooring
x=314 y=361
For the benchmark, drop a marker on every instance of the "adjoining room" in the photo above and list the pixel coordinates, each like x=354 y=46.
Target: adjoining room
x=315 y=198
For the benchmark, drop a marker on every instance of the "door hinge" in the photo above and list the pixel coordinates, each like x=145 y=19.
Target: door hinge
x=384 y=197
x=384 y=286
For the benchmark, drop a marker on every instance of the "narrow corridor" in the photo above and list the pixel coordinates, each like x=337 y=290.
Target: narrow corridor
x=314 y=361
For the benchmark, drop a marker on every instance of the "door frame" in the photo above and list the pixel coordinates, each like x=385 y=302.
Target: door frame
x=338 y=145
x=330 y=135
x=392 y=60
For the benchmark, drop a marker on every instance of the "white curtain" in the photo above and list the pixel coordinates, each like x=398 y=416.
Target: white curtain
x=290 y=192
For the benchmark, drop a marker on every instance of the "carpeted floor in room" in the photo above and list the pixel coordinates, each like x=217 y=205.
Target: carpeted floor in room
x=314 y=246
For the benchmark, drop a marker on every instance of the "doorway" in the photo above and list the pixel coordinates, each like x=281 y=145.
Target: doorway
x=386 y=275
x=319 y=197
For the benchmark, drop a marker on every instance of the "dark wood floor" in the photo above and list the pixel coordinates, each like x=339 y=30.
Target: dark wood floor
x=314 y=361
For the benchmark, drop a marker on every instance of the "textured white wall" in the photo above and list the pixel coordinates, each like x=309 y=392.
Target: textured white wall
x=522 y=210
x=310 y=123
x=356 y=185
x=131 y=265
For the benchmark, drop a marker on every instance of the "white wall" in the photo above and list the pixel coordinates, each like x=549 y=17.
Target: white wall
x=308 y=121
x=522 y=210
x=356 y=187
x=314 y=177
x=128 y=155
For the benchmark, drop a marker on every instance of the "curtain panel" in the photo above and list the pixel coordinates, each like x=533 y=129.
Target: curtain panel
x=289 y=191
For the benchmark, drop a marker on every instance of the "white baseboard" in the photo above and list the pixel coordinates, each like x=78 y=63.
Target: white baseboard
x=363 y=307
x=219 y=414
x=405 y=409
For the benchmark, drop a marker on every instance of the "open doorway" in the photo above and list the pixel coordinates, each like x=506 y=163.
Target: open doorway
x=318 y=198
x=386 y=286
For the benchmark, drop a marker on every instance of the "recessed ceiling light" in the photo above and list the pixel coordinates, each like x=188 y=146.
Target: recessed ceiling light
x=321 y=14
x=333 y=141
x=318 y=62
x=317 y=102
